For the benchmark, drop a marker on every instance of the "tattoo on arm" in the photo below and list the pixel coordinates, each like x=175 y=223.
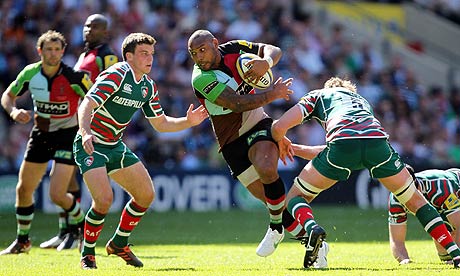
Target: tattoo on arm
x=240 y=103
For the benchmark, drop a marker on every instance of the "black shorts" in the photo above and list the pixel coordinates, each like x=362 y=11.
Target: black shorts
x=45 y=146
x=236 y=153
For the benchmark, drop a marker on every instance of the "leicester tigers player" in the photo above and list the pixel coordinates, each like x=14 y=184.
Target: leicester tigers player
x=355 y=140
x=240 y=124
x=56 y=90
x=97 y=57
x=103 y=115
x=441 y=188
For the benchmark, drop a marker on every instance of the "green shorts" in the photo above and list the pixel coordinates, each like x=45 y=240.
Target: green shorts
x=113 y=157
x=341 y=157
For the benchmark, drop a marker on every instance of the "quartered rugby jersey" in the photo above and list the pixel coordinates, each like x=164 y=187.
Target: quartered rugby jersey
x=208 y=85
x=96 y=60
x=55 y=99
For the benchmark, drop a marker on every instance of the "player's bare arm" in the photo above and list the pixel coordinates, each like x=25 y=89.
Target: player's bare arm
x=241 y=103
x=291 y=118
x=84 y=121
x=19 y=115
x=166 y=123
x=307 y=152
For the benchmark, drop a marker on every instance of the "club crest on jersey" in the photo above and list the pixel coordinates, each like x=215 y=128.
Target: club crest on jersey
x=89 y=161
x=127 y=88
x=145 y=91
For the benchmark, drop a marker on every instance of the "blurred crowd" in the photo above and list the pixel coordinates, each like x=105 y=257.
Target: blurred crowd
x=423 y=121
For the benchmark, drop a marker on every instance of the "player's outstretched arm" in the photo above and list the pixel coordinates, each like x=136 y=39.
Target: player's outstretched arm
x=288 y=120
x=165 y=123
x=307 y=152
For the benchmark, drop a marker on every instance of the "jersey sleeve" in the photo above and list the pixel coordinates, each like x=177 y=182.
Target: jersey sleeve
x=106 y=84
x=21 y=84
x=397 y=213
x=81 y=83
x=307 y=105
x=153 y=107
x=206 y=84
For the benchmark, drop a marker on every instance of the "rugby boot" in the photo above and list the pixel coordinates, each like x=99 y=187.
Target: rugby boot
x=125 y=253
x=88 y=262
x=17 y=248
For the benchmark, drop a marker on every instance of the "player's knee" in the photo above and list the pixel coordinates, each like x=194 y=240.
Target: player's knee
x=23 y=191
x=103 y=203
x=56 y=197
x=145 y=198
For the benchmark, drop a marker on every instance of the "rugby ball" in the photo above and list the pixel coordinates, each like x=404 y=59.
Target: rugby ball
x=264 y=82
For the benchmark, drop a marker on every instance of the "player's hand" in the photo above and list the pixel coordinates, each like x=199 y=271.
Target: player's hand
x=21 y=116
x=286 y=150
x=281 y=88
x=258 y=67
x=196 y=116
x=87 y=143
x=405 y=262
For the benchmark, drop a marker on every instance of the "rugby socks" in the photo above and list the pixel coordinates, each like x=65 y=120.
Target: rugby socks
x=433 y=224
x=275 y=197
x=76 y=215
x=77 y=195
x=94 y=222
x=291 y=225
x=24 y=217
x=130 y=217
x=302 y=212
x=63 y=228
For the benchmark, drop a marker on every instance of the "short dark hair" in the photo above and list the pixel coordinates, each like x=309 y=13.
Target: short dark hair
x=51 y=35
x=132 y=40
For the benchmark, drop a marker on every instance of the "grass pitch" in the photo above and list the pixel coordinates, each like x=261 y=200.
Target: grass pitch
x=224 y=243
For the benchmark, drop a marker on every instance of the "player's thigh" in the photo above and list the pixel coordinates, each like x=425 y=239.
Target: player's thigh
x=98 y=184
x=136 y=180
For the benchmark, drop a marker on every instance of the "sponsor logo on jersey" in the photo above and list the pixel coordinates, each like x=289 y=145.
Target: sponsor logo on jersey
x=52 y=108
x=89 y=161
x=208 y=88
x=452 y=202
x=145 y=91
x=127 y=102
x=127 y=88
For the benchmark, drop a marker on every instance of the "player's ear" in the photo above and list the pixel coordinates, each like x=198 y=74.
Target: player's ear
x=215 y=42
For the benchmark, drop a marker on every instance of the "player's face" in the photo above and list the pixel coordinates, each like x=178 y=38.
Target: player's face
x=142 y=59
x=51 y=53
x=94 y=33
x=205 y=54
